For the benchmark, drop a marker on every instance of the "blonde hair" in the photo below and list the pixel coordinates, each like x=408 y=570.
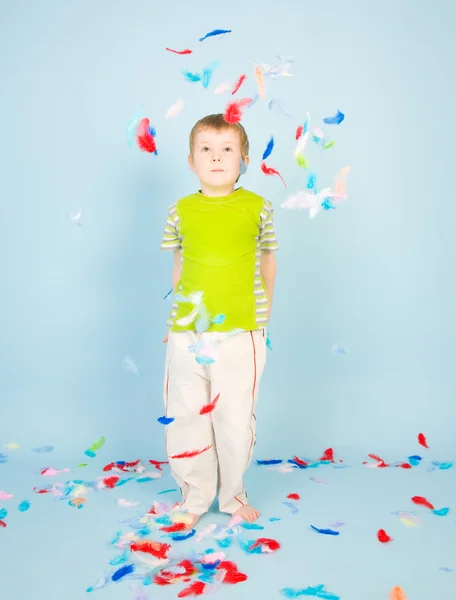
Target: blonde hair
x=218 y=123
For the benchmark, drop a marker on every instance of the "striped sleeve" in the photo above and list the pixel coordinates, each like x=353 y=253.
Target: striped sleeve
x=268 y=240
x=171 y=239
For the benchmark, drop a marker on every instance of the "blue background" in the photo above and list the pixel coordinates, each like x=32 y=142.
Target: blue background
x=375 y=276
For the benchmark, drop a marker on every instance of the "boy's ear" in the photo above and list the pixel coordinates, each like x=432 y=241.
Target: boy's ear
x=246 y=159
x=191 y=163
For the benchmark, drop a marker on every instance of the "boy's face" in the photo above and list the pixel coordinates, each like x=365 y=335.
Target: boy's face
x=216 y=158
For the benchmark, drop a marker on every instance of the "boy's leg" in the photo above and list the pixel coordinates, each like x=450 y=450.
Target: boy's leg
x=236 y=376
x=186 y=391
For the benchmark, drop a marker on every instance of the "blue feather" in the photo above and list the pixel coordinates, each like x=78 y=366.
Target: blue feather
x=192 y=77
x=335 y=120
x=165 y=420
x=311 y=181
x=225 y=542
x=255 y=99
x=219 y=319
x=180 y=538
x=274 y=461
x=215 y=32
x=168 y=294
x=123 y=572
x=441 y=512
x=269 y=149
x=325 y=531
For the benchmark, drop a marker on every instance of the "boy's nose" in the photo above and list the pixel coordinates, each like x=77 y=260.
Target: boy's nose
x=216 y=159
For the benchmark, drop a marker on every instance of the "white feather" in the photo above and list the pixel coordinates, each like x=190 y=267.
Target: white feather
x=175 y=109
x=301 y=144
x=222 y=88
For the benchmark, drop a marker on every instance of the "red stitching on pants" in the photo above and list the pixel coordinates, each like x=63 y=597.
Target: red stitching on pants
x=253 y=391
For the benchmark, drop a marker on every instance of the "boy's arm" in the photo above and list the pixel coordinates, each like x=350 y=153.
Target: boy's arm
x=268 y=273
x=176 y=268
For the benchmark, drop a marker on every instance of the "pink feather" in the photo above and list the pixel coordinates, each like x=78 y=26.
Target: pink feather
x=238 y=84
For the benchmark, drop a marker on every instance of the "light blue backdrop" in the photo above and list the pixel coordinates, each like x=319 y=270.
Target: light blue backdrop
x=375 y=276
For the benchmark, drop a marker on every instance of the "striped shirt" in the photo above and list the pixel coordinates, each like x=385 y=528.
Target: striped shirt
x=221 y=240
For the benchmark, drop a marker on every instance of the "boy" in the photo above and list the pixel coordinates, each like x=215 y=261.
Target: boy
x=223 y=241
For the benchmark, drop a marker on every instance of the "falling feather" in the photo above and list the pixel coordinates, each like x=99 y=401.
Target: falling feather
x=302 y=141
x=335 y=120
x=441 y=512
x=271 y=171
x=191 y=77
x=397 y=593
x=191 y=453
x=210 y=407
x=307 y=123
x=5 y=496
x=233 y=111
x=383 y=537
x=422 y=440
x=254 y=100
x=208 y=71
x=340 y=185
x=145 y=137
x=299 y=131
x=175 y=109
x=186 y=51
x=102 y=582
x=325 y=531
x=214 y=33
x=222 y=88
x=259 y=78
x=24 y=506
x=299 y=201
x=95 y=446
x=420 y=500
x=123 y=572
x=269 y=149
x=238 y=84
x=274 y=104
x=132 y=125
x=329 y=144
x=165 y=420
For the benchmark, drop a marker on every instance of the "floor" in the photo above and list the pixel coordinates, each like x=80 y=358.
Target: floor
x=59 y=544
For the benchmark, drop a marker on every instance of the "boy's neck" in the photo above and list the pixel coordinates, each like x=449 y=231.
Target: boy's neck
x=215 y=192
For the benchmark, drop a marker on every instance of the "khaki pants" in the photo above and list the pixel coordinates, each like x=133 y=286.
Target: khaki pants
x=229 y=429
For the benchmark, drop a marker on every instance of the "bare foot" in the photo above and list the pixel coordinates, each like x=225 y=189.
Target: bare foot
x=194 y=520
x=248 y=513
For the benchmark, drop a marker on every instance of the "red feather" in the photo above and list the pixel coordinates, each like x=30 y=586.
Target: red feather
x=156 y=549
x=405 y=466
x=191 y=453
x=110 y=482
x=2 y=523
x=301 y=462
x=270 y=171
x=38 y=491
x=328 y=454
x=195 y=589
x=422 y=501
x=157 y=464
x=383 y=537
x=238 y=84
x=294 y=496
x=233 y=110
x=186 y=51
x=271 y=544
x=109 y=467
x=422 y=440
x=232 y=574
x=173 y=528
x=299 y=131
x=209 y=407
x=144 y=138
x=378 y=459
x=160 y=580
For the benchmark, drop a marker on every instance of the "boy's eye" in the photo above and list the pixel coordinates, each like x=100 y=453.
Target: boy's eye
x=205 y=148
x=229 y=149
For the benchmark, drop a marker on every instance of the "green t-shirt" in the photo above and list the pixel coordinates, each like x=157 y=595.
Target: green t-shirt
x=221 y=240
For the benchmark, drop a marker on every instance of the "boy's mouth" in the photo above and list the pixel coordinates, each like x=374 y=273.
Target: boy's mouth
x=216 y=170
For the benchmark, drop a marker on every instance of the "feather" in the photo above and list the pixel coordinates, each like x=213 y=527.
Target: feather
x=328 y=454
x=238 y=84
x=309 y=591
x=422 y=440
x=102 y=582
x=299 y=131
x=397 y=593
x=97 y=445
x=3 y=513
x=307 y=123
x=24 y=506
x=270 y=544
x=299 y=462
x=207 y=408
x=191 y=77
x=254 y=100
x=165 y=420
x=329 y=144
x=2 y=523
x=203 y=321
x=269 y=149
x=132 y=125
x=340 y=184
x=215 y=32
x=383 y=537
x=325 y=531
x=420 y=500
x=335 y=120
x=271 y=171
x=300 y=200
x=259 y=78
x=208 y=72
x=301 y=144
x=184 y=321
x=157 y=463
x=382 y=463
x=123 y=572
x=292 y=507
x=110 y=482
x=222 y=88
x=5 y=496
x=294 y=496
x=441 y=512
x=274 y=104
x=173 y=528
x=233 y=111
x=186 y=51
x=191 y=453
x=233 y=575
x=126 y=503
x=175 y=109
x=181 y=537
x=195 y=589
x=156 y=549
x=311 y=180
x=145 y=138
x=273 y=461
